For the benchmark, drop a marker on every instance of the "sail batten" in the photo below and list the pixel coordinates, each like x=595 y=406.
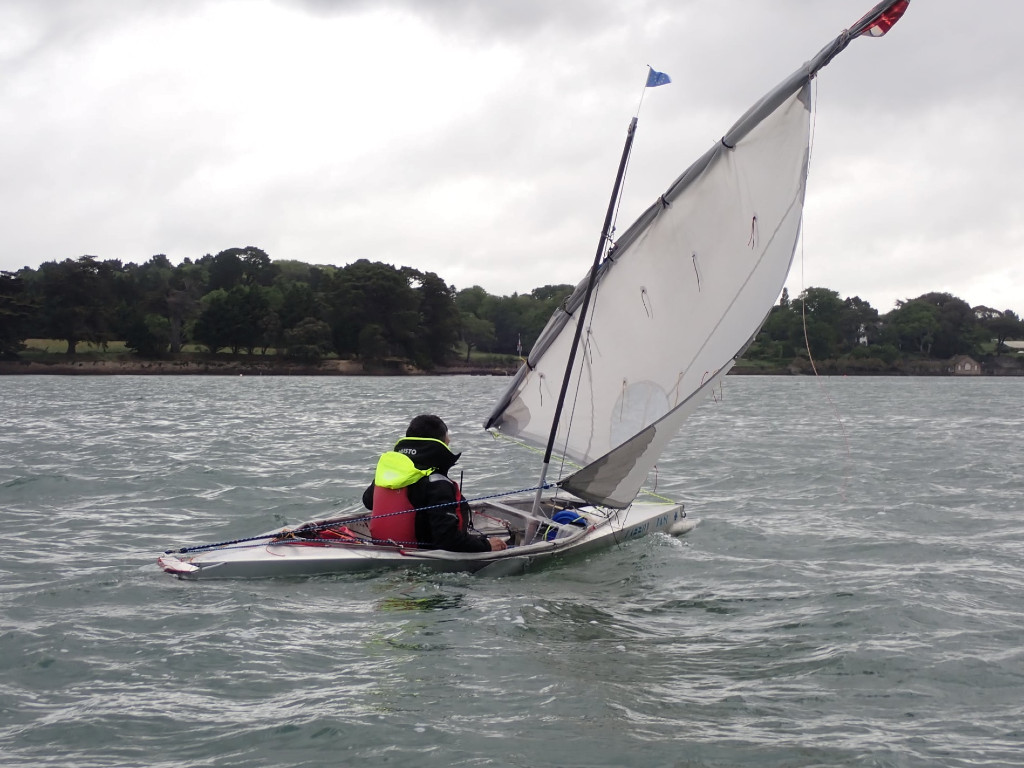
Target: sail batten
x=678 y=297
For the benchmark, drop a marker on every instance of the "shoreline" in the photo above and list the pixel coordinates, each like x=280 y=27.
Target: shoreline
x=83 y=366
x=230 y=367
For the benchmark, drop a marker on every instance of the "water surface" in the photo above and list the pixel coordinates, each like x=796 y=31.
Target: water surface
x=854 y=595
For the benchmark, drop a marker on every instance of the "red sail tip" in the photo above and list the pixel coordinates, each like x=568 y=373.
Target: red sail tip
x=885 y=20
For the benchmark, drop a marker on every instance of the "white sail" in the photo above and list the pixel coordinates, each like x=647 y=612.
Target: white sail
x=676 y=300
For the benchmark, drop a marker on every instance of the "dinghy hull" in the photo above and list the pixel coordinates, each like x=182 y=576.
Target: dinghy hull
x=535 y=540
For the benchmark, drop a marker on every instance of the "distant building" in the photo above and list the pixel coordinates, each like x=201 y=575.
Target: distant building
x=965 y=366
x=862 y=335
x=1016 y=346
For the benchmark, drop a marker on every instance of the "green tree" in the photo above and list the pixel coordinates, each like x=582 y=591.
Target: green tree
x=521 y=317
x=367 y=293
x=257 y=267
x=75 y=300
x=299 y=302
x=1003 y=325
x=857 y=320
x=253 y=310
x=781 y=333
x=233 y=319
x=958 y=331
x=474 y=331
x=472 y=301
x=149 y=335
x=912 y=326
x=225 y=270
x=438 y=319
x=820 y=310
x=309 y=340
x=538 y=309
x=506 y=314
x=271 y=331
x=373 y=346
x=140 y=294
x=16 y=310
x=151 y=283
x=214 y=326
x=290 y=271
x=184 y=289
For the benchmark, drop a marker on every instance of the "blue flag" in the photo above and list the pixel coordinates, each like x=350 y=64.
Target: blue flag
x=656 y=78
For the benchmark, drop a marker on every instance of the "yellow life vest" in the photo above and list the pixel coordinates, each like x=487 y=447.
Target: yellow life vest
x=396 y=470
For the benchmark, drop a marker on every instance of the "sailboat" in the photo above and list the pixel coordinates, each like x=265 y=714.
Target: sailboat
x=660 y=318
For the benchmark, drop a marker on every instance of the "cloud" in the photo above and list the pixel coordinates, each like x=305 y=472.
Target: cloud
x=478 y=140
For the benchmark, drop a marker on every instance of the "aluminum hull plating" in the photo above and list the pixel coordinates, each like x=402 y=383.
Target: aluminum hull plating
x=298 y=557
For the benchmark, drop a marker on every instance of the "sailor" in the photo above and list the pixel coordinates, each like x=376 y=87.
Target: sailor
x=414 y=476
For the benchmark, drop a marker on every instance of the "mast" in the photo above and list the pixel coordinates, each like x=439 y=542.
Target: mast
x=602 y=244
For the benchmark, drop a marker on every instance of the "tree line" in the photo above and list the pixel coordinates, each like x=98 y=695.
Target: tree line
x=240 y=300
x=933 y=326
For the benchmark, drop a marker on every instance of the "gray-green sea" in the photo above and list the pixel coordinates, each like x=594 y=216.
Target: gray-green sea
x=853 y=596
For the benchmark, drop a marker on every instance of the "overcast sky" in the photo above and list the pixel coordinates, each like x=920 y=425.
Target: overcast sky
x=479 y=140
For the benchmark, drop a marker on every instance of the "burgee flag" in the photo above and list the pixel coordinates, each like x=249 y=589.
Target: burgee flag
x=656 y=78
x=887 y=19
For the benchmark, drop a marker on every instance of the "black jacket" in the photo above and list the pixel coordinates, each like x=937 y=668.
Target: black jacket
x=437 y=527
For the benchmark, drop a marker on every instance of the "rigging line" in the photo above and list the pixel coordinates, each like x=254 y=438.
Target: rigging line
x=810 y=153
x=659 y=496
x=576 y=395
x=814 y=120
x=618 y=207
x=803 y=305
x=828 y=396
x=586 y=363
x=642 y=92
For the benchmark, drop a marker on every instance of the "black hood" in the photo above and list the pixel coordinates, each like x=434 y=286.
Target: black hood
x=427 y=454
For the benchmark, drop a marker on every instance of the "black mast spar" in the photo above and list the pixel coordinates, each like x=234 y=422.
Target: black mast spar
x=592 y=280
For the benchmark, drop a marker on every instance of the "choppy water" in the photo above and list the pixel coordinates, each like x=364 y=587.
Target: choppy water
x=853 y=597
